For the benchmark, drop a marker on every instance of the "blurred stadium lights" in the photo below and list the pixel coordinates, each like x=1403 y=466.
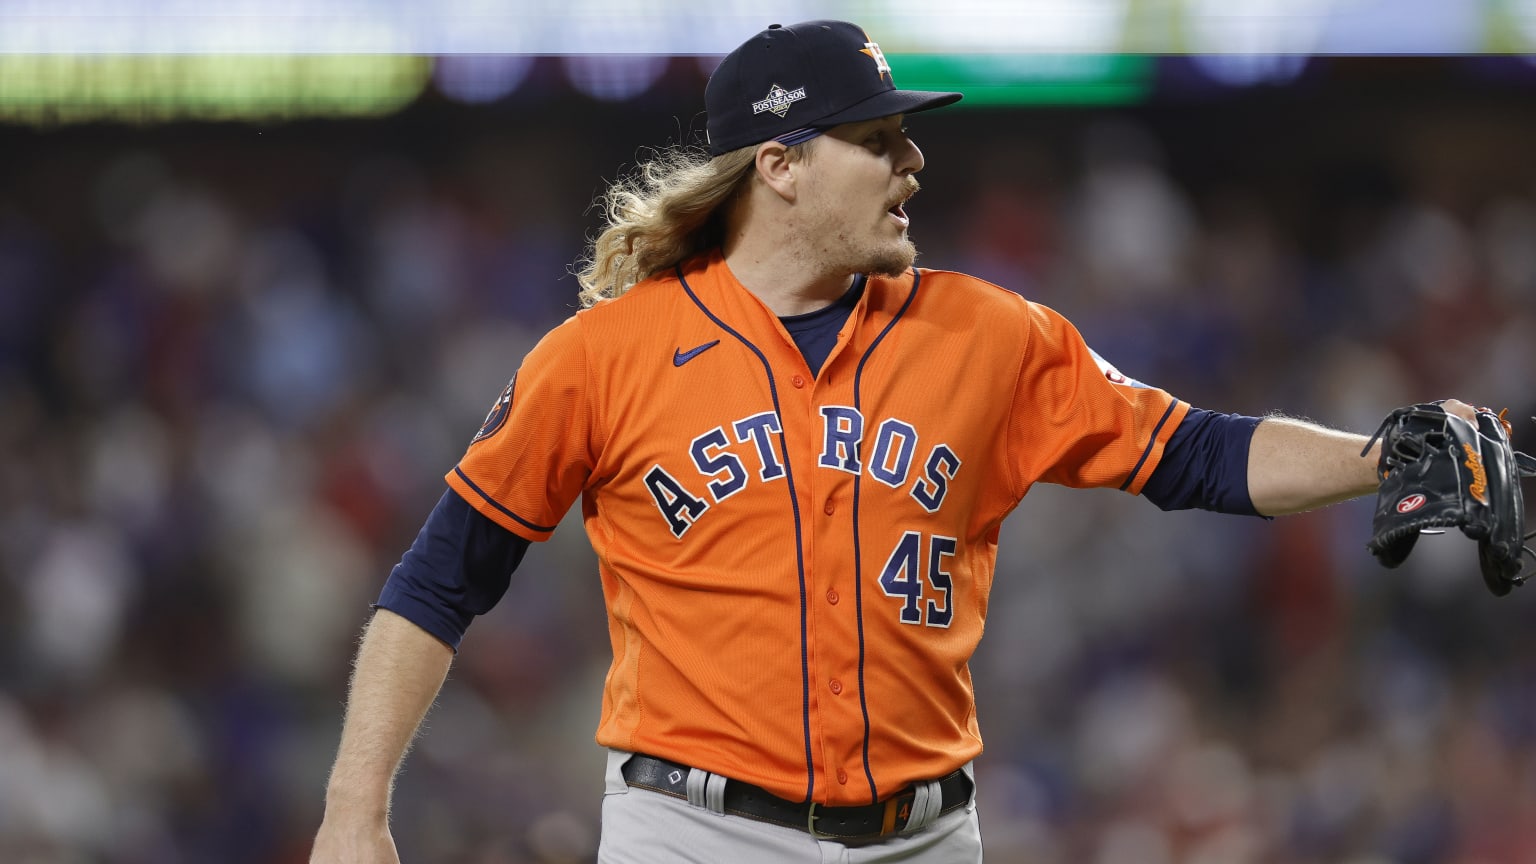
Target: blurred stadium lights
x=1412 y=27
x=1254 y=42
x=614 y=77
x=480 y=78
x=1247 y=70
x=1523 y=13
x=62 y=88
x=1256 y=26
x=152 y=60
x=682 y=27
x=1010 y=26
x=225 y=27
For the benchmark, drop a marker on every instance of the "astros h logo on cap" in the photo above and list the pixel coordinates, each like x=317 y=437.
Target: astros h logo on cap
x=790 y=83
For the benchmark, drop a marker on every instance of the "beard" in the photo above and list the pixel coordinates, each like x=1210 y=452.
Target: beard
x=858 y=249
x=897 y=258
x=838 y=253
x=892 y=261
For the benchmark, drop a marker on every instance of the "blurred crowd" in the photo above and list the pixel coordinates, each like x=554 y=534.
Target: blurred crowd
x=236 y=361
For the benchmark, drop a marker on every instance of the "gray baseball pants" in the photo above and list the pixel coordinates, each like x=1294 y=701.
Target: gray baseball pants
x=644 y=827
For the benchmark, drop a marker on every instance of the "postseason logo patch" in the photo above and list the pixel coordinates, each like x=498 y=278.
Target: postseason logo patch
x=778 y=100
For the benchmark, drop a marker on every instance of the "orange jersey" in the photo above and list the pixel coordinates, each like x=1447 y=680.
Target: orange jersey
x=796 y=567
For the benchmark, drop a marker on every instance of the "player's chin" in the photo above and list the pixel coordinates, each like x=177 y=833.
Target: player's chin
x=895 y=260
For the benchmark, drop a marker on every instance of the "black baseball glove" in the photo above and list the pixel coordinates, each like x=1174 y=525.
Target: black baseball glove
x=1439 y=471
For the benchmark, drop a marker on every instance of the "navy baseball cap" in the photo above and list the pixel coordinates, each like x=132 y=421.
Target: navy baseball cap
x=790 y=83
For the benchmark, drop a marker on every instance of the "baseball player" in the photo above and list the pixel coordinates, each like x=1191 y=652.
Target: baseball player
x=793 y=453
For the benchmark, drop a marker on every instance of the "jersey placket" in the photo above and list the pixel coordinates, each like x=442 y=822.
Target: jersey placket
x=833 y=598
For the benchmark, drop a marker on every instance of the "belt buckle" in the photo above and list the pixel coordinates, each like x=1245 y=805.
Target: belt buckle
x=810 y=824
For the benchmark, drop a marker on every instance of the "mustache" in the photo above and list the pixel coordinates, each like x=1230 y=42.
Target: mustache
x=909 y=187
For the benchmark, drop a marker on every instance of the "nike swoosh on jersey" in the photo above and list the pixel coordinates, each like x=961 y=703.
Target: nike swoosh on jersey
x=679 y=357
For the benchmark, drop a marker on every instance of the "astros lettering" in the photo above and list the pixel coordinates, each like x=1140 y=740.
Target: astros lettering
x=726 y=473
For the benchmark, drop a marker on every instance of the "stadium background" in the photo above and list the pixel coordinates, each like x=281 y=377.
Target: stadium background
x=242 y=336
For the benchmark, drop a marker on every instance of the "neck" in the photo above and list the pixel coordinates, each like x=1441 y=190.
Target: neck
x=780 y=274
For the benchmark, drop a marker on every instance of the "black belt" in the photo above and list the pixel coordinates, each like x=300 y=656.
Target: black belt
x=843 y=823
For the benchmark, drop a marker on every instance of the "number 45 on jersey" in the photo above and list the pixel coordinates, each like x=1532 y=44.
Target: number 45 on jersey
x=912 y=569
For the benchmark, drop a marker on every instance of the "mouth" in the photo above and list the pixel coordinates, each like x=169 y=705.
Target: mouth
x=897 y=208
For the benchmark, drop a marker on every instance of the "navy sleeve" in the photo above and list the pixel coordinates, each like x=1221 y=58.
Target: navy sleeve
x=459 y=567
x=1205 y=465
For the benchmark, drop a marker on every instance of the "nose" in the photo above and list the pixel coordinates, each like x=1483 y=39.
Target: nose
x=910 y=160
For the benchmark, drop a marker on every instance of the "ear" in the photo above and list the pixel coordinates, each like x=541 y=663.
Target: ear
x=776 y=169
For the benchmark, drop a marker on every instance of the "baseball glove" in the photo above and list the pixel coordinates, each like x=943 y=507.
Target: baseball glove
x=1439 y=471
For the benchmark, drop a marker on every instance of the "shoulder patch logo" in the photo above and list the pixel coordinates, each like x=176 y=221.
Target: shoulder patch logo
x=497 y=416
x=1113 y=374
x=778 y=100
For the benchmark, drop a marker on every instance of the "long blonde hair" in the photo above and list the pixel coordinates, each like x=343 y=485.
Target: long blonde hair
x=668 y=209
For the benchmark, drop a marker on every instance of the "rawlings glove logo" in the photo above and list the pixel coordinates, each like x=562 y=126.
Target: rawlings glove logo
x=1479 y=487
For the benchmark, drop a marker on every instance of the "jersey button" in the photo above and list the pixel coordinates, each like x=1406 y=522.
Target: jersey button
x=829 y=508
x=832 y=596
x=797 y=381
x=842 y=776
x=836 y=686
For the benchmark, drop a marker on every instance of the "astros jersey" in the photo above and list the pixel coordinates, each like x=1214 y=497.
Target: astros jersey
x=796 y=567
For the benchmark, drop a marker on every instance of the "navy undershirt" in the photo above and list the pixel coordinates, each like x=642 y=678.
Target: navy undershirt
x=462 y=561
x=1205 y=465
x=815 y=333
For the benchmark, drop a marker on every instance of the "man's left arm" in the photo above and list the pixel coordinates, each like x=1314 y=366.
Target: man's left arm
x=1294 y=465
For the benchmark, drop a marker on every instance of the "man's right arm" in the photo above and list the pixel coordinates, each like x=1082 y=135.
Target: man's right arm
x=459 y=567
x=399 y=670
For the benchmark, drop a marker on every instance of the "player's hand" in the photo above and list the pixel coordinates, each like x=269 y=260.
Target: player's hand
x=1460 y=409
x=353 y=844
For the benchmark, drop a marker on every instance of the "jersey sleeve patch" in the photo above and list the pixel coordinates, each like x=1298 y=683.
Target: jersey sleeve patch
x=497 y=416
x=1114 y=375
